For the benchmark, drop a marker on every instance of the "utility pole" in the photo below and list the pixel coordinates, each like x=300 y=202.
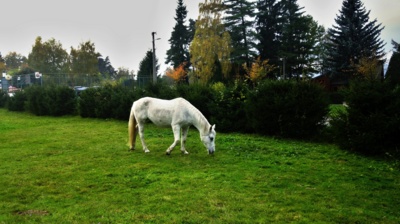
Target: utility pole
x=154 y=58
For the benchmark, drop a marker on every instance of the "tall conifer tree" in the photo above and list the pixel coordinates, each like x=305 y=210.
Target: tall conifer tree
x=268 y=29
x=239 y=24
x=353 y=37
x=393 y=72
x=145 y=72
x=286 y=36
x=294 y=37
x=180 y=38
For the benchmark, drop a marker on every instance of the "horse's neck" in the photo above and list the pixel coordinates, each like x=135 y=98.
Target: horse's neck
x=200 y=122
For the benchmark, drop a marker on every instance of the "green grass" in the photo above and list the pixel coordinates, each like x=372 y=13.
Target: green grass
x=74 y=170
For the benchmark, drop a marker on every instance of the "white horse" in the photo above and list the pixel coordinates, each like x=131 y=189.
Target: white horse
x=178 y=113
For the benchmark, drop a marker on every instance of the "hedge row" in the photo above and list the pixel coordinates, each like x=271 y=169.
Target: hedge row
x=281 y=108
x=287 y=109
x=52 y=101
x=371 y=123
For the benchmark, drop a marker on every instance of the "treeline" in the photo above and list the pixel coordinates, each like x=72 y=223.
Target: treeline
x=229 y=36
x=370 y=124
x=51 y=59
x=226 y=40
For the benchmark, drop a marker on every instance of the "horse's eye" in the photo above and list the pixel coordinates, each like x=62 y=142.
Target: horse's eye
x=212 y=138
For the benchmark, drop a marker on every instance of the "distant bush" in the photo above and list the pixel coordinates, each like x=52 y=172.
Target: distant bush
x=17 y=102
x=3 y=98
x=287 y=108
x=371 y=124
x=51 y=100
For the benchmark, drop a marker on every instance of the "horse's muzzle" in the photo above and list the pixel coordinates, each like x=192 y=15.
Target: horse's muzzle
x=210 y=152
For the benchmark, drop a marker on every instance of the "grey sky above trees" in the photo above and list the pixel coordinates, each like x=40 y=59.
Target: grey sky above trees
x=122 y=29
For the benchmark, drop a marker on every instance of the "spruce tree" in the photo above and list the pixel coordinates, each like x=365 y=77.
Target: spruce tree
x=238 y=22
x=286 y=36
x=294 y=37
x=106 y=69
x=145 y=72
x=352 y=37
x=393 y=72
x=268 y=27
x=179 y=41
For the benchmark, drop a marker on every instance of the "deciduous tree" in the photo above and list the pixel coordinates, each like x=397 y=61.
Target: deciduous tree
x=211 y=46
x=48 y=57
x=14 y=60
x=125 y=73
x=258 y=70
x=178 y=74
x=84 y=59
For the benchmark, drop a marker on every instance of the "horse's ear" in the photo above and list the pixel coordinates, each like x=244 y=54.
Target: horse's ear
x=212 y=127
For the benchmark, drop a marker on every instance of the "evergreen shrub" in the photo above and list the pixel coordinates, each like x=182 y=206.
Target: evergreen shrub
x=160 y=90
x=87 y=102
x=51 y=100
x=228 y=109
x=371 y=124
x=16 y=102
x=200 y=96
x=287 y=108
x=108 y=101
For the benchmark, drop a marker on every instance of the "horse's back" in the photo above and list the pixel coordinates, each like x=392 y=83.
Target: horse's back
x=160 y=112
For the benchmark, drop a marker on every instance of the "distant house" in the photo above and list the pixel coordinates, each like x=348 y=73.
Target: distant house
x=334 y=84
x=329 y=84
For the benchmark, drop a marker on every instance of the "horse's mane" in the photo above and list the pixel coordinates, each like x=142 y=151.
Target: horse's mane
x=200 y=118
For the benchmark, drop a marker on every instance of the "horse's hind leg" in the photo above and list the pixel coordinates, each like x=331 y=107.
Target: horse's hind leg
x=177 y=132
x=141 y=135
x=183 y=140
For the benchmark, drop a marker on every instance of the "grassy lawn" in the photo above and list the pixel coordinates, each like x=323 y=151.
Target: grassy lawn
x=74 y=170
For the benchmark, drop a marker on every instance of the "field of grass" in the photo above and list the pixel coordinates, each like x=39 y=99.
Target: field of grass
x=74 y=170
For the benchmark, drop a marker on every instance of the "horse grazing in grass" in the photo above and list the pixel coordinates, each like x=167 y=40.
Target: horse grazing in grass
x=178 y=113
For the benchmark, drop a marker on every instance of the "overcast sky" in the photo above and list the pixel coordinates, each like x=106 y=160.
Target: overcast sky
x=121 y=29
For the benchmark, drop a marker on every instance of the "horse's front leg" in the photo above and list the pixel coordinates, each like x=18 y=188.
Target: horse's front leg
x=141 y=135
x=177 y=131
x=183 y=140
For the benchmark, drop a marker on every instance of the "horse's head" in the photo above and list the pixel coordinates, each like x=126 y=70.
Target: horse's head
x=209 y=139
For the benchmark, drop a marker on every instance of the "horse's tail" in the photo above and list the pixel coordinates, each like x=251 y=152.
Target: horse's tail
x=132 y=129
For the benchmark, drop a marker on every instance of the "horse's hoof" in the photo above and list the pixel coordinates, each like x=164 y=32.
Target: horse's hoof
x=185 y=153
x=146 y=151
x=167 y=153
